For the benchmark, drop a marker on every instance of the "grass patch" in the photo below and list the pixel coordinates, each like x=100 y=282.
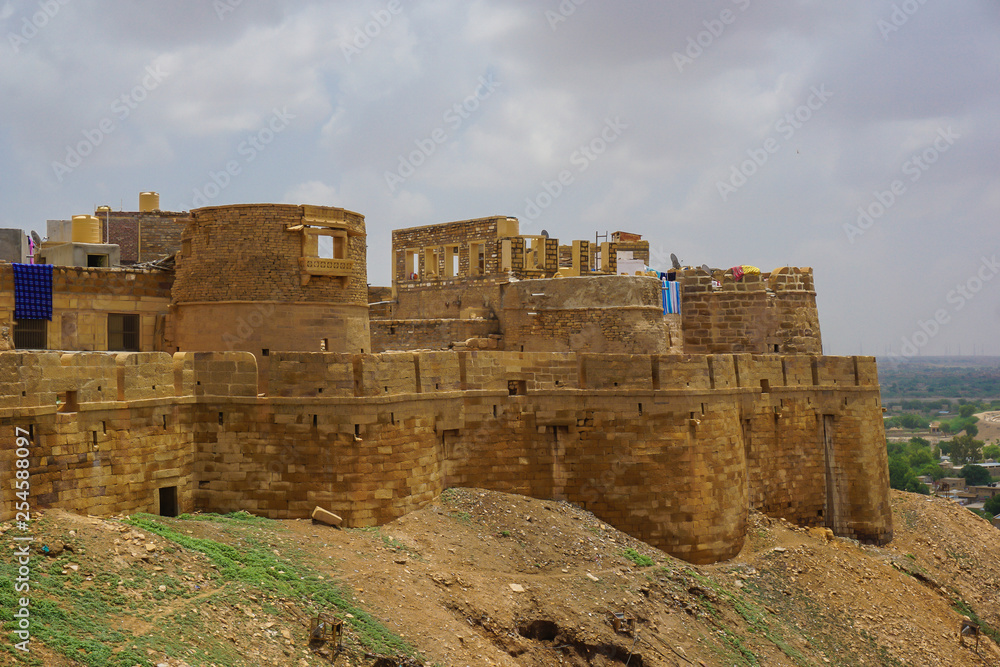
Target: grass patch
x=82 y=633
x=639 y=559
x=755 y=618
x=735 y=643
x=254 y=565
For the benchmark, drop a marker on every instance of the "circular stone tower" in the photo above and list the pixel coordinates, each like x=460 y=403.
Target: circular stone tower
x=272 y=277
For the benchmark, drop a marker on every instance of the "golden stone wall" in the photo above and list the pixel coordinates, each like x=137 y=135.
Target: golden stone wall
x=108 y=431
x=770 y=313
x=244 y=283
x=670 y=448
x=611 y=314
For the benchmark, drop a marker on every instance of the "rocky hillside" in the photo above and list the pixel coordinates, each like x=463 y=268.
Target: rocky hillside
x=483 y=578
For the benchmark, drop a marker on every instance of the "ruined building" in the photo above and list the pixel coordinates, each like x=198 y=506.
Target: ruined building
x=251 y=376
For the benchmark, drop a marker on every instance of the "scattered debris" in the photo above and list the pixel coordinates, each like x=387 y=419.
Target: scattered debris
x=324 y=516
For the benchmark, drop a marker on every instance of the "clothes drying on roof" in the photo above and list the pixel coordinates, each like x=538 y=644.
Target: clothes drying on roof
x=32 y=291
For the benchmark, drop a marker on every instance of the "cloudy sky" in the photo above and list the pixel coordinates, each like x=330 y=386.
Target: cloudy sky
x=857 y=137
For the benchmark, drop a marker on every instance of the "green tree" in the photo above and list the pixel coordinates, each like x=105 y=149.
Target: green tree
x=967 y=410
x=913 y=421
x=975 y=475
x=900 y=474
x=965 y=449
x=920 y=458
x=933 y=470
x=920 y=441
x=992 y=506
x=959 y=424
x=991 y=452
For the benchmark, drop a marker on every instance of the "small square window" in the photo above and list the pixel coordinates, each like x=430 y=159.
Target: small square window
x=123 y=332
x=30 y=334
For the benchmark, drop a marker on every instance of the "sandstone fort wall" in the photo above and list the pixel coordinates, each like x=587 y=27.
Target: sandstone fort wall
x=670 y=448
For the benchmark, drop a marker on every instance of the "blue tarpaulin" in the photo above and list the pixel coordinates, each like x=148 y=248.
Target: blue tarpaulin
x=32 y=291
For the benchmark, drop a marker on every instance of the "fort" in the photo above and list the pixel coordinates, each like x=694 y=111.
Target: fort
x=254 y=375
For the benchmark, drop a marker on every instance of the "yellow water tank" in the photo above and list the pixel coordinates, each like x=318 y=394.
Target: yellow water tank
x=86 y=229
x=149 y=201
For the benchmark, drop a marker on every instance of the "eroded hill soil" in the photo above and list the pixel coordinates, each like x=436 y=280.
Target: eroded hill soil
x=484 y=578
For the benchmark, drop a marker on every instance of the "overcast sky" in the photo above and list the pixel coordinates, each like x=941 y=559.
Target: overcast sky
x=859 y=138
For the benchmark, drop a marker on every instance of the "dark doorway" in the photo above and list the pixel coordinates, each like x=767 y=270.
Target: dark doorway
x=168 y=501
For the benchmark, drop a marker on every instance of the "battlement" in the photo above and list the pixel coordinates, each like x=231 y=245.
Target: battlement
x=38 y=379
x=783 y=279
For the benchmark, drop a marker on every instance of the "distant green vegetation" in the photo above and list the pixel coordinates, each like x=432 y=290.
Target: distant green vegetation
x=915 y=458
x=922 y=378
x=959 y=415
x=910 y=421
x=908 y=460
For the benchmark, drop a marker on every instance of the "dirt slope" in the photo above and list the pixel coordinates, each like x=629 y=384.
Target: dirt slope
x=483 y=578
x=989 y=426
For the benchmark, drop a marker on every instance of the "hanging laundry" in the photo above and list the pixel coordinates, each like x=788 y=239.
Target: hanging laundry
x=671 y=297
x=32 y=291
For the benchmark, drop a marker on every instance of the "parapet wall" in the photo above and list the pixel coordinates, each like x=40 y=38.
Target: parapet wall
x=428 y=334
x=761 y=314
x=613 y=314
x=670 y=448
x=108 y=431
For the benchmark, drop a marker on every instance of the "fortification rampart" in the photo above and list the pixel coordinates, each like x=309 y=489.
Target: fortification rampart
x=430 y=334
x=769 y=313
x=671 y=448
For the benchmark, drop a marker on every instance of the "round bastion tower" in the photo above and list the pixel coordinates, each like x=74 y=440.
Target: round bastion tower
x=263 y=278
